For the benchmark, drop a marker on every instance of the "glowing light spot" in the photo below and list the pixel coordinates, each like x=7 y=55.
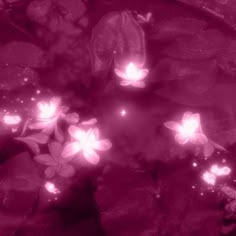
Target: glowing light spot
x=51 y=188
x=33 y=99
x=194 y=164
x=38 y=92
x=220 y=171
x=123 y=112
x=132 y=75
x=193 y=187
x=209 y=178
x=11 y=119
x=202 y=194
x=26 y=79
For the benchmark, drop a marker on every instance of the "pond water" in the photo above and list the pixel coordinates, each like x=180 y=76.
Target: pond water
x=82 y=154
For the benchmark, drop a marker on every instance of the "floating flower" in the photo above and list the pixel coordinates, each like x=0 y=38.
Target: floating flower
x=189 y=130
x=55 y=163
x=51 y=188
x=220 y=171
x=86 y=142
x=211 y=176
x=11 y=119
x=49 y=114
x=132 y=75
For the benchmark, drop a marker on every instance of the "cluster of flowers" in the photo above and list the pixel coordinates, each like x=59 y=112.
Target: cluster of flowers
x=83 y=138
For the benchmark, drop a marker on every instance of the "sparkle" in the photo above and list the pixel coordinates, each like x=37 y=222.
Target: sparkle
x=193 y=187
x=194 y=164
x=38 y=92
x=51 y=188
x=123 y=112
x=26 y=79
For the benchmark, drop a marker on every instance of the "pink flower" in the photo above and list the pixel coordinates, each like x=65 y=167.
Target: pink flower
x=189 y=130
x=48 y=114
x=132 y=75
x=86 y=142
x=55 y=163
x=11 y=119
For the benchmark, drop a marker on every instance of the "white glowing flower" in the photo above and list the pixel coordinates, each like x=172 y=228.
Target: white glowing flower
x=48 y=114
x=48 y=110
x=209 y=178
x=11 y=119
x=189 y=130
x=132 y=75
x=86 y=142
x=51 y=188
x=220 y=171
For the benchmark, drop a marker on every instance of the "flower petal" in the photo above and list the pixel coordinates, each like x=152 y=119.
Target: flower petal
x=181 y=139
x=120 y=73
x=208 y=149
x=66 y=170
x=144 y=73
x=199 y=139
x=125 y=82
x=71 y=149
x=172 y=125
x=45 y=159
x=91 y=156
x=89 y=122
x=50 y=172
x=103 y=145
x=55 y=149
x=139 y=84
x=187 y=115
x=72 y=118
x=76 y=132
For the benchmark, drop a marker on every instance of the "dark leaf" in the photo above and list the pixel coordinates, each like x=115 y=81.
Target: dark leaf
x=66 y=171
x=31 y=144
x=40 y=138
x=50 y=172
x=45 y=159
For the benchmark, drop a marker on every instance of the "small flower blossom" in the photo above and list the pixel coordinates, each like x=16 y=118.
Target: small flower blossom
x=132 y=75
x=48 y=114
x=189 y=130
x=86 y=142
x=211 y=176
x=51 y=188
x=11 y=119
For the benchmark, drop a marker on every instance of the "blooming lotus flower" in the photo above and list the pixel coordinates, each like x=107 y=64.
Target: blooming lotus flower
x=49 y=114
x=211 y=176
x=55 y=163
x=189 y=130
x=132 y=75
x=86 y=142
